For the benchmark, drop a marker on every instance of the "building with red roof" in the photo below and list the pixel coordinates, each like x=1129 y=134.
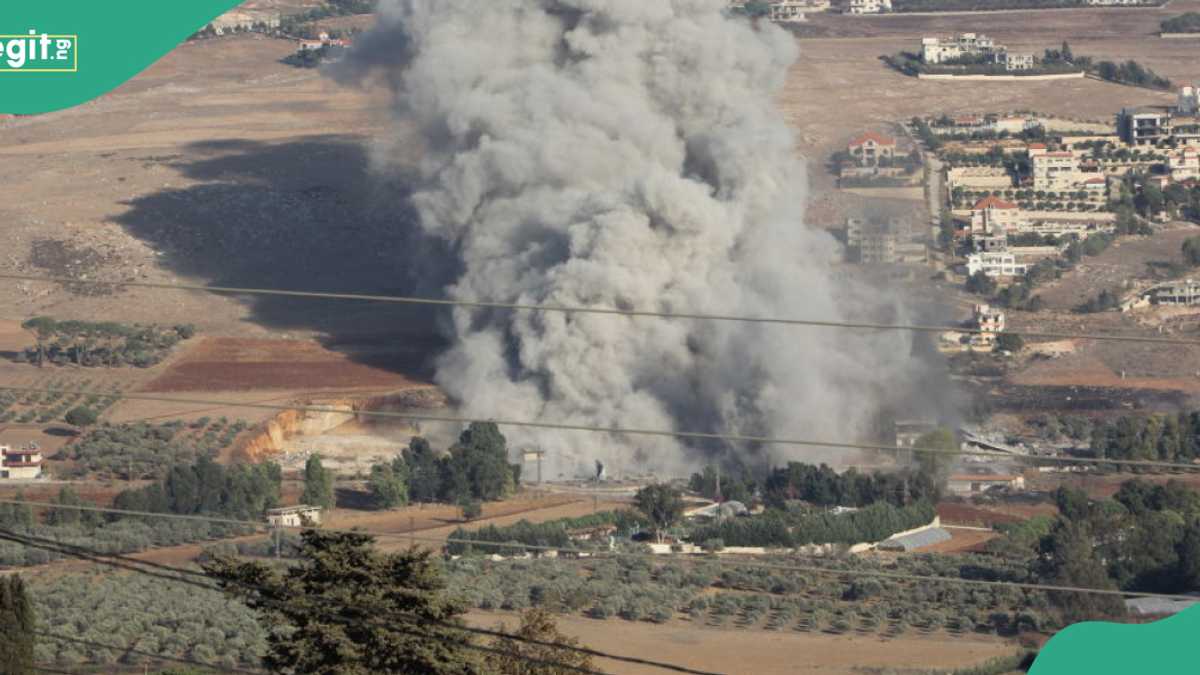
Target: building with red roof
x=871 y=147
x=993 y=216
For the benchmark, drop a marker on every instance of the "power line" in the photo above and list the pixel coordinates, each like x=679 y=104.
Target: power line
x=565 y=309
x=132 y=564
x=116 y=560
x=689 y=435
x=811 y=569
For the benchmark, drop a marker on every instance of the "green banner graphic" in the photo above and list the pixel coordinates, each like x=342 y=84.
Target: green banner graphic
x=56 y=54
x=1164 y=647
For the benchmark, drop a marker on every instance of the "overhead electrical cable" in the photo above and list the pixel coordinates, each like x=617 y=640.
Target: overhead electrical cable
x=810 y=569
x=688 y=435
x=168 y=572
x=565 y=309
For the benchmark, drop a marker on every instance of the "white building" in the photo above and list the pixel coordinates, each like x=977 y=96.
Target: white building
x=969 y=483
x=1014 y=61
x=999 y=264
x=940 y=50
x=294 y=516
x=20 y=463
x=868 y=6
x=788 y=11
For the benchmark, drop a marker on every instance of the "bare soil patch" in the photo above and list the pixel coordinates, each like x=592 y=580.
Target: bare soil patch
x=240 y=364
x=962 y=541
x=761 y=651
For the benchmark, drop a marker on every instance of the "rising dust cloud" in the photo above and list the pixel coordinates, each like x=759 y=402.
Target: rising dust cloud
x=626 y=154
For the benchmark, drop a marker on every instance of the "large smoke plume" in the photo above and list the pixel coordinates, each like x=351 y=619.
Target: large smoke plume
x=625 y=154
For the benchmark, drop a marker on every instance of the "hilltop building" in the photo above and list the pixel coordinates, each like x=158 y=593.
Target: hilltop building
x=868 y=6
x=973 y=48
x=940 y=50
x=1157 y=124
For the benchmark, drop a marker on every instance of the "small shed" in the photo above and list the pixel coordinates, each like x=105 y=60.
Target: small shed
x=302 y=515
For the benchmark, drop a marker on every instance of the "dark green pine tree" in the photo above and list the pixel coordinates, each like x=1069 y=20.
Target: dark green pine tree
x=17 y=627
x=349 y=610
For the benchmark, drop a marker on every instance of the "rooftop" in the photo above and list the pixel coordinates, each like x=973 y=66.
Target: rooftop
x=283 y=511
x=983 y=477
x=878 y=138
x=916 y=540
x=993 y=202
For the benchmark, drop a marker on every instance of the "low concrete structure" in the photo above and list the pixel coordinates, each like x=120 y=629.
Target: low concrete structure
x=974 y=484
x=294 y=516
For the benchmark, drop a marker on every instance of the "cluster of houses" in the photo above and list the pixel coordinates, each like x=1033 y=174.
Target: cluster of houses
x=793 y=11
x=323 y=40
x=970 y=47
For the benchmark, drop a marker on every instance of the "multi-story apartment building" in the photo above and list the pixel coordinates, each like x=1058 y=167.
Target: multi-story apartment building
x=999 y=264
x=1055 y=171
x=994 y=216
x=1146 y=125
x=1184 y=164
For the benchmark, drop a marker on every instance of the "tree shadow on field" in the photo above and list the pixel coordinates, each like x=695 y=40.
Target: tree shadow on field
x=309 y=216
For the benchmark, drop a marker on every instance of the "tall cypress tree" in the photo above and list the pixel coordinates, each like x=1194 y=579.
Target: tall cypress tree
x=17 y=625
x=318 y=484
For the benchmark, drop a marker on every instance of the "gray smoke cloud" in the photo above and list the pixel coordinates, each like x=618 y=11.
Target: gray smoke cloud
x=625 y=154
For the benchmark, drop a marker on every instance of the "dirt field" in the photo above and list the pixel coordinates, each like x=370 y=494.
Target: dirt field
x=233 y=364
x=764 y=652
x=962 y=541
x=953 y=513
x=1099 y=487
